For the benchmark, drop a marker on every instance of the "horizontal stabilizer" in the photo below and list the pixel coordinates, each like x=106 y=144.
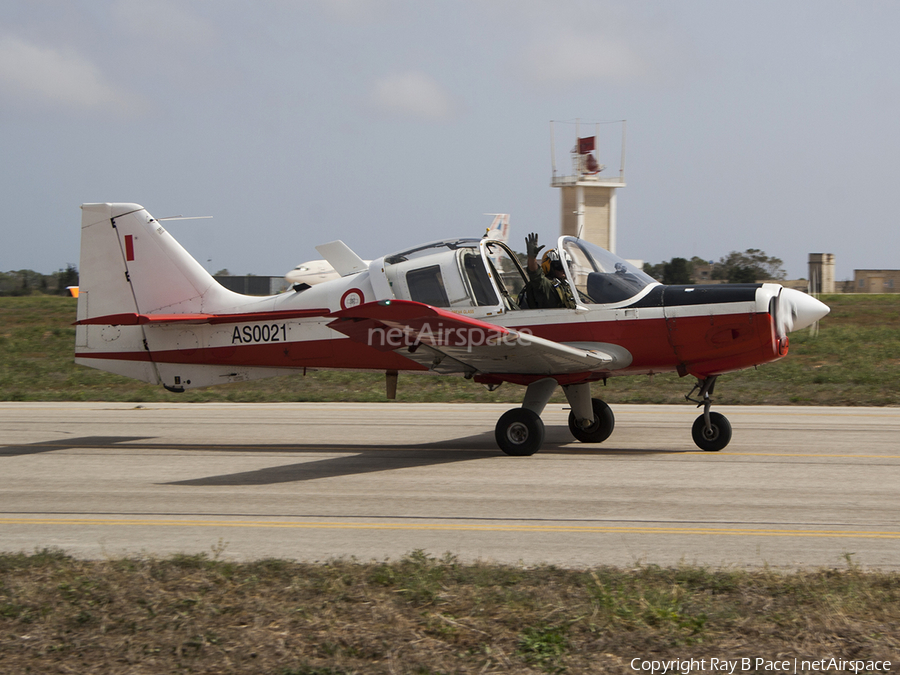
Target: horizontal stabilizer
x=342 y=258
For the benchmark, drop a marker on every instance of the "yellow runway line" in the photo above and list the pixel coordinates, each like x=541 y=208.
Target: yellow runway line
x=585 y=529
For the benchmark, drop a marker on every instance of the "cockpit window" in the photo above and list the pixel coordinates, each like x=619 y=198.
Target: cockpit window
x=600 y=276
x=477 y=277
x=427 y=285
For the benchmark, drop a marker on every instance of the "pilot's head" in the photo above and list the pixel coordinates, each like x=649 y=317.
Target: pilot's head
x=552 y=265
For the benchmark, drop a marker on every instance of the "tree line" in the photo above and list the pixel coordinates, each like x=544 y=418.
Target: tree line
x=29 y=282
x=736 y=268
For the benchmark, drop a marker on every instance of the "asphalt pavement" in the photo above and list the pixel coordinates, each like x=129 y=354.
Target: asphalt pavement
x=797 y=486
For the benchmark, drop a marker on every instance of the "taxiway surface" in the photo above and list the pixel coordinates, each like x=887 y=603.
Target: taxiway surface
x=311 y=481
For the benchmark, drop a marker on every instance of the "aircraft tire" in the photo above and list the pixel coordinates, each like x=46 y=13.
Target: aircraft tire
x=717 y=438
x=519 y=432
x=599 y=431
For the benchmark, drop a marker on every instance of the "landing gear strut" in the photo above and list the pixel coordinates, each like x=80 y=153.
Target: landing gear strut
x=520 y=431
x=711 y=431
x=591 y=420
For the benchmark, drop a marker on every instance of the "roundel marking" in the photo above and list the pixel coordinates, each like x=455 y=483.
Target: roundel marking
x=351 y=298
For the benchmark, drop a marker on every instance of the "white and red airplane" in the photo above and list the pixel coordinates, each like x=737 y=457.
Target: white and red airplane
x=148 y=310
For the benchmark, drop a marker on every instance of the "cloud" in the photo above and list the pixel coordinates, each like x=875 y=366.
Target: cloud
x=34 y=73
x=412 y=94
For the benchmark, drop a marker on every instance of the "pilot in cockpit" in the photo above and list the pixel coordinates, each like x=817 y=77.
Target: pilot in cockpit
x=547 y=287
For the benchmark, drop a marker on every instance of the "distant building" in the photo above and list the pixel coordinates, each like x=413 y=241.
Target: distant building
x=702 y=274
x=821 y=272
x=876 y=281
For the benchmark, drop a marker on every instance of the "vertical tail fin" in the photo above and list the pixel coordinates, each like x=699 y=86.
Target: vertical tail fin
x=129 y=263
x=499 y=229
x=129 y=266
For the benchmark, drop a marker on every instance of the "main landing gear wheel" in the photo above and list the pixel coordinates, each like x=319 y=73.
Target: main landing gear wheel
x=600 y=429
x=519 y=432
x=716 y=436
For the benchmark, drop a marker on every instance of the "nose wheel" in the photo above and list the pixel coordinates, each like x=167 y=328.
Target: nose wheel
x=712 y=436
x=712 y=430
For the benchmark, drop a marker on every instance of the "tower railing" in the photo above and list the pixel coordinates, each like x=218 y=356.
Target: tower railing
x=561 y=181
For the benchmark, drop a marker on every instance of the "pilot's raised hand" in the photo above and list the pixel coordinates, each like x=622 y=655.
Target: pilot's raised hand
x=531 y=245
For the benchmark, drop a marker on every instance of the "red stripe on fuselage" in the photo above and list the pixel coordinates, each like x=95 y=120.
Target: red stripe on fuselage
x=701 y=346
x=338 y=353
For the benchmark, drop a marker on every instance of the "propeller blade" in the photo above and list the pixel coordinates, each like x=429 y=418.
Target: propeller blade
x=796 y=310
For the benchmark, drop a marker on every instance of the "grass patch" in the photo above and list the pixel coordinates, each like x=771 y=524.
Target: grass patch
x=424 y=614
x=855 y=360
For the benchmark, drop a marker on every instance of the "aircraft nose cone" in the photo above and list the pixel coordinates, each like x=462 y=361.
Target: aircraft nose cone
x=800 y=310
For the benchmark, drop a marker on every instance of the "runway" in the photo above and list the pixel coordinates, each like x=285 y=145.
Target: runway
x=797 y=487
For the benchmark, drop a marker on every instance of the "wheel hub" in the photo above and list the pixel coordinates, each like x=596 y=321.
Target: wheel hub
x=517 y=433
x=590 y=425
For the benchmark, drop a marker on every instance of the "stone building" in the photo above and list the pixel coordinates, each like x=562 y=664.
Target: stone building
x=876 y=281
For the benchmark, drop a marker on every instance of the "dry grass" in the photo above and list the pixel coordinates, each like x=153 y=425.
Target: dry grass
x=197 y=614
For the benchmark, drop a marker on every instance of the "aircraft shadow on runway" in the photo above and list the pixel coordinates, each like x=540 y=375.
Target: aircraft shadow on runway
x=67 y=444
x=354 y=459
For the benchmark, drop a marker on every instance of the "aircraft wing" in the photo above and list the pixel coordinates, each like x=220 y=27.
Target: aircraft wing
x=451 y=343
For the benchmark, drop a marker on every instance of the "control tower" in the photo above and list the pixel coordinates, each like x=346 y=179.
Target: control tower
x=587 y=187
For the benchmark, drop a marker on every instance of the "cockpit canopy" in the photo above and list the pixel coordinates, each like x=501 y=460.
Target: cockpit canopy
x=600 y=277
x=479 y=273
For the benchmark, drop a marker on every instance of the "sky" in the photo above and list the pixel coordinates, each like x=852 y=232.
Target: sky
x=386 y=123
